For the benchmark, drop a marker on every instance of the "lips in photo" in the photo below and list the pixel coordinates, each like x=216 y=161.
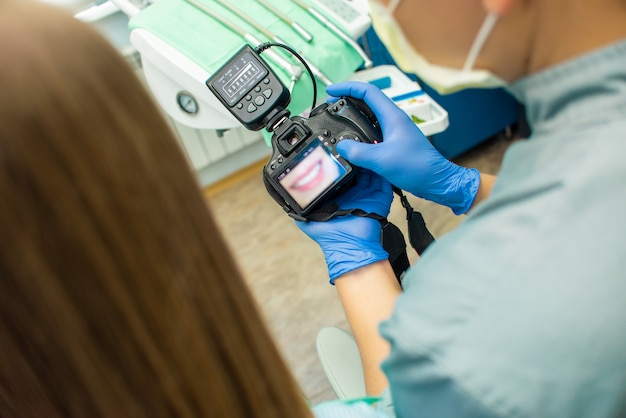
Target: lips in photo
x=312 y=175
x=310 y=178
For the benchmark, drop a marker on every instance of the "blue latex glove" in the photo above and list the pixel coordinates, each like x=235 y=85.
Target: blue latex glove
x=349 y=242
x=406 y=157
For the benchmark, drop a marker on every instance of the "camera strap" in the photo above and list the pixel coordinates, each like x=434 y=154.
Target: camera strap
x=391 y=236
x=419 y=235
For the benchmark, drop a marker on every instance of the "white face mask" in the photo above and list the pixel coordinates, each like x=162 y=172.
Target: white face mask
x=444 y=80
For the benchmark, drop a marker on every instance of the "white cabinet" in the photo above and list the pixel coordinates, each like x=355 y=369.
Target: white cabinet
x=218 y=154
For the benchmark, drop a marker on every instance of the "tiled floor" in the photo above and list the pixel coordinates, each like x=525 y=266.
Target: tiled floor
x=286 y=270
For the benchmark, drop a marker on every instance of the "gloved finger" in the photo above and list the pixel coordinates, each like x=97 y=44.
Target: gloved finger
x=358 y=153
x=371 y=193
x=365 y=184
x=380 y=193
x=386 y=111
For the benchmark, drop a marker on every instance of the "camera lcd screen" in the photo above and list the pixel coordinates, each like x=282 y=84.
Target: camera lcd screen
x=236 y=80
x=310 y=174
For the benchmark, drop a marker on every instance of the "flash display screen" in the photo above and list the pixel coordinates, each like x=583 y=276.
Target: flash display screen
x=236 y=80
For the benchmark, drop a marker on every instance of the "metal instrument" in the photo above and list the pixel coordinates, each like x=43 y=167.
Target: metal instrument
x=293 y=70
x=317 y=15
x=304 y=34
x=316 y=71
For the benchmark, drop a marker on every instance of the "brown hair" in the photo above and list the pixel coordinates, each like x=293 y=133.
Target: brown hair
x=118 y=295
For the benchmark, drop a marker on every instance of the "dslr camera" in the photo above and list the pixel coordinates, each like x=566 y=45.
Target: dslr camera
x=304 y=171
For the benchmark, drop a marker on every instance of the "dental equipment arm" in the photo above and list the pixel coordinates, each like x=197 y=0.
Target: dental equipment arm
x=282 y=16
x=293 y=70
x=367 y=62
x=126 y=7
x=97 y=12
x=318 y=73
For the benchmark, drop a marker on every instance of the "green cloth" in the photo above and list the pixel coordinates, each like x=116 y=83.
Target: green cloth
x=209 y=43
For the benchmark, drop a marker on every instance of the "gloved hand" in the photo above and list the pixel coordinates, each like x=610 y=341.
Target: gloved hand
x=406 y=157
x=349 y=242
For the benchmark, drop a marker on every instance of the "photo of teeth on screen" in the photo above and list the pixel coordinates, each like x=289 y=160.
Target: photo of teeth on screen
x=310 y=175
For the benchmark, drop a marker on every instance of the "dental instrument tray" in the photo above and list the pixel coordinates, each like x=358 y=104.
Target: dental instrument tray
x=408 y=95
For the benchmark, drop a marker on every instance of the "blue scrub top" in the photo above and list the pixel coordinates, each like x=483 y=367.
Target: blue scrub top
x=521 y=310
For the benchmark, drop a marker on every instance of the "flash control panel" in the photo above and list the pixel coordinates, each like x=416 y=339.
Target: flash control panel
x=248 y=87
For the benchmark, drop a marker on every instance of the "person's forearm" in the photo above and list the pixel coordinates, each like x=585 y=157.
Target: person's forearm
x=368 y=295
x=484 y=189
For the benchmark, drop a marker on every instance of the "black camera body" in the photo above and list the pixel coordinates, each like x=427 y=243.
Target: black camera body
x=304 y=170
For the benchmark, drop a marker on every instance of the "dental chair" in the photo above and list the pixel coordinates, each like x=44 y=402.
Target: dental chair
x=341 y=362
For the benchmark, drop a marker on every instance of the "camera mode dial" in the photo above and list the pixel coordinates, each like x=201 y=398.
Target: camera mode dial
x=318 y=109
